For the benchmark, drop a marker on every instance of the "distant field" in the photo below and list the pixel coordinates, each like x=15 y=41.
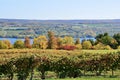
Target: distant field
x=75 y=28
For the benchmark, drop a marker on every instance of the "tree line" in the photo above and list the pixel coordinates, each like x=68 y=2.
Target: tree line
x=103 y=41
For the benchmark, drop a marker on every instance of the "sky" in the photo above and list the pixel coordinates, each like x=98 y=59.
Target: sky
x=60 y=9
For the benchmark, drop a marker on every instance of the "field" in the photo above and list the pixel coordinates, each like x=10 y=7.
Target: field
x=94 y=78
x=89 y=79
x=87 y=63
x=75 y=28
x=100 y=51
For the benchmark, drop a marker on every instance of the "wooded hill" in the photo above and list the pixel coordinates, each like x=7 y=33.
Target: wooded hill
x=75 y=28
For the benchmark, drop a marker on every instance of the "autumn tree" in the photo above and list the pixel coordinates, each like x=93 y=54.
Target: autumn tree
x=27 y=42
x=19 y=44
x=78 y=44
x=86 y=45
x=52 y=40
x=3 y=45
x=101 y=46
x=67 y=40
x=77 y=41
x=40 y=42
x=59 y=42
x=7 y=42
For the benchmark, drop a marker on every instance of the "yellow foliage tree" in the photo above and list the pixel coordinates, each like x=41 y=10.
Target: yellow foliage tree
x=40 y=42
x=86 y=45
x=3 y=45
x=78 y=46
x=67 y=41
x=7 y=42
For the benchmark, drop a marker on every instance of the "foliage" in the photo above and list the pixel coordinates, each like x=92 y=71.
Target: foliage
x=52 y=40
x=65 y=63
x=67 y=41
x=7 y=42
x=40 y=42
x=19 y=44
x=8 y=69
x=117 y=37
x=27 y=42
x=118 y=47
x=101 y=46
x=78 y=46
x=107 y=40
x=86 y=45
x=77 y=41
x=3 y=45
x=68 y=47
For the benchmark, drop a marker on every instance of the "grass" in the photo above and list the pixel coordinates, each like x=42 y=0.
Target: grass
x=100 y=51
x=87 y=78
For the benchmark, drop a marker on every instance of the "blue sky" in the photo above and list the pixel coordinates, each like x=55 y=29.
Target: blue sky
x=60 y=9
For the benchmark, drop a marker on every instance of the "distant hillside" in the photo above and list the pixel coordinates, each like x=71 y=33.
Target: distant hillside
x=22 y=21
x=75 y=28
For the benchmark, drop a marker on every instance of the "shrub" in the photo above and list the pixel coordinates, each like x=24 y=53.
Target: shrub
x=68 y=47
x=101 y=46
x=78 y=46
x=107 y=47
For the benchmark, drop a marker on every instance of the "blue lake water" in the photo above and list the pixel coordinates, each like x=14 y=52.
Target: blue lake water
x=12 y=40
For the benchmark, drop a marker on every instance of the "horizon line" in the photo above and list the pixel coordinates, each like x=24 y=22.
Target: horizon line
x=60 y=19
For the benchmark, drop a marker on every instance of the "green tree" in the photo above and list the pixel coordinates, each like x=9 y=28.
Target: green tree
x=107 y=40
x=44 y=66
x=117 y=37
x=23 y=68
x=19 y=44
x=8 y=69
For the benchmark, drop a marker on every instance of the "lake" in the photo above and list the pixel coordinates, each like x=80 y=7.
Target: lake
x=12 y=40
